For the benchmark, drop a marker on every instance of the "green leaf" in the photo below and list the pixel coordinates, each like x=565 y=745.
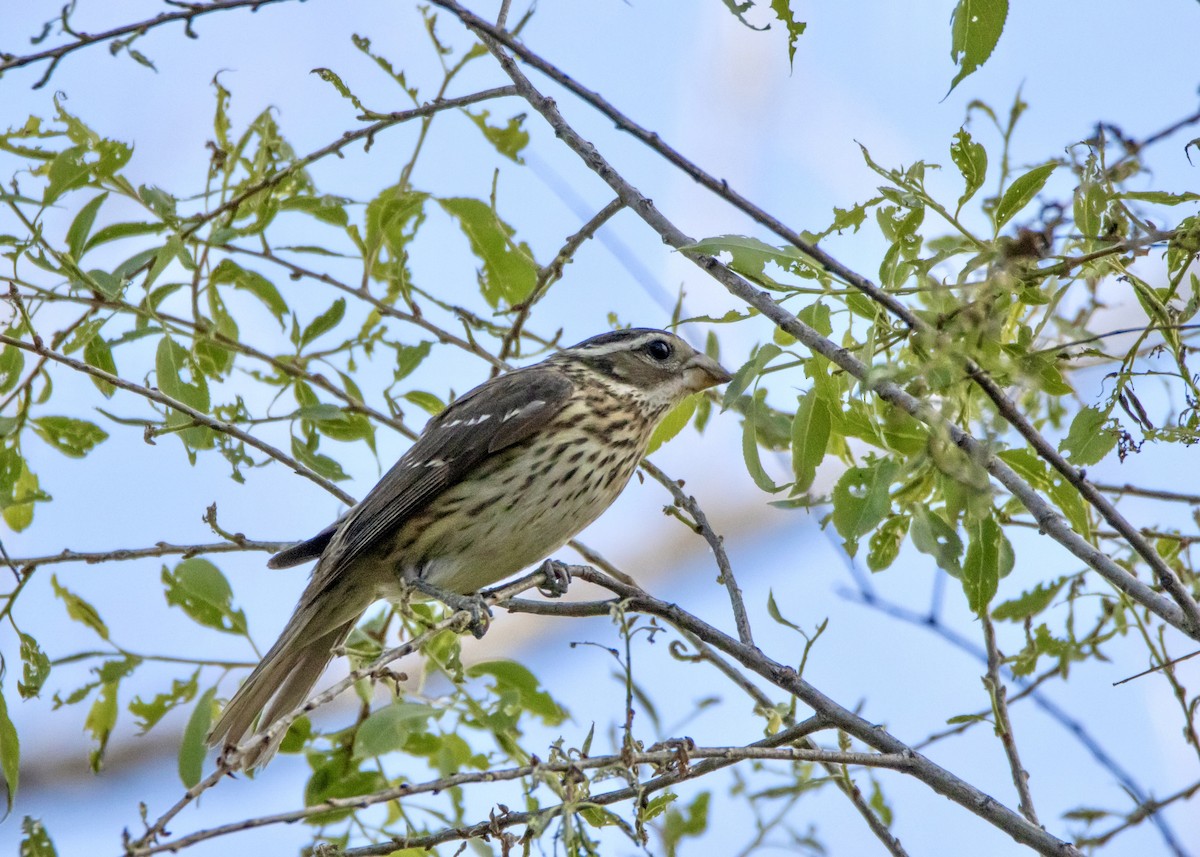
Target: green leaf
x=427 y=402
x=673 y=423
x=78 y=609
x=755 y=412
x=975 y=28
x=861 y=499
x=193 y=749
x=100 y=721
x=508 y=140
x=692 y=821
x=324 y=323
x=12 y=361
x=306 y=454
x=749 y=371
x=117 y=231
x=179 y=377
x=886 y=541
x=409 y=357
x=71 y=437
x=387 y=729
x=509 y=271
x=932 y=535
x=810 y=436
x=515 y=680
x=1029 y=603
x=748 y=256
x=198 y=587
x=10 y=753
x=774 y=612
x=149 y=713
x=36 y=841
x=35 y=668
x=1090 y=438
x=989 y=558
x=98 y=354
x=1021 y=192
x=336 y=775
x=795 y=29
x=253 y=282
x=971 y=159
x=327 y=209
x=81 y=226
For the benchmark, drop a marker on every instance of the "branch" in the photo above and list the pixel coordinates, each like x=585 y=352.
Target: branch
x=1049 y=520
x=198 y=416
x=669 y=759
x=188 y=14
x=27 y=564
x=716 y=542
x=632 y=599
x=1003 y=725
x=1187 y=612
x=367 y=132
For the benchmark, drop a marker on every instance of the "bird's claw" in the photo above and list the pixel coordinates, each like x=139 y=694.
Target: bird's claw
x=558 y=578
x=481 y=614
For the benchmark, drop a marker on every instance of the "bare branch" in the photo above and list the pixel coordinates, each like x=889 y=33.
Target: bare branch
x=187 y=14
x=161 y=549
x=999 y=695
x=716 y=542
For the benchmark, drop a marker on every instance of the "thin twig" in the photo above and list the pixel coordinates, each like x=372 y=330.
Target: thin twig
x=1003 y=725
x=188 y=14
x=715 y=541
x=1050 y=521
x=1187 y=612
x=160 y=549
x=199 y=417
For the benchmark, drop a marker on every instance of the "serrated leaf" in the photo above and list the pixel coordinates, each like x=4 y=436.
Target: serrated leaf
x=200 y=589
x=149 y=713
x=673 y=423
x=193 y=749
x=971 y=159
x=810 y=437
x=795 y=29
x=98 y=354
x=1089 y=439
x=12 y=361
x=100 y=721
x=409 y=357
x=1030 y=603
x=70 y=436
x=509 y=140
x=748 y=256
x=975 y=28
x=324 y=323
x=748 y=372
x=79 y=609
x=1021 y=192
x=509 y=271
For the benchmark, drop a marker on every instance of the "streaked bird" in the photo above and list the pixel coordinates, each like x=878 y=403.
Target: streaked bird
x=497 y=481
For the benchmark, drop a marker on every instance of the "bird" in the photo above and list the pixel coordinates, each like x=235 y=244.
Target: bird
x=498 y=480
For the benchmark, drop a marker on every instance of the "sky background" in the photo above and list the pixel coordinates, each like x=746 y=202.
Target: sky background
x=872 y=72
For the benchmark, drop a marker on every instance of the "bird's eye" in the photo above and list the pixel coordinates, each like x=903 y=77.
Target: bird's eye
x=659 y=349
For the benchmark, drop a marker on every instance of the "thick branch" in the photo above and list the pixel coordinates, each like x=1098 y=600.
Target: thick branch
x=1048 y=518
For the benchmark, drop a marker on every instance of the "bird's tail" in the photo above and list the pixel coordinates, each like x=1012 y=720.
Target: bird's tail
x=279 y=684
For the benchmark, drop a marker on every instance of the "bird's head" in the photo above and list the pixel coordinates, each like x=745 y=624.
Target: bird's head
x=658 y=366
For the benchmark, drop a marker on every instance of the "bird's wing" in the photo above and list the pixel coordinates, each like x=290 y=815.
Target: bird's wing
x=494 y=416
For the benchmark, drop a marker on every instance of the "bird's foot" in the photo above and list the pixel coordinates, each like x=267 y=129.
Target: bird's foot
x=558 y=578
x=481 y=614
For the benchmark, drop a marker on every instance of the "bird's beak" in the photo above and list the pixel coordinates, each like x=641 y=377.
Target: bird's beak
x=704 y=372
